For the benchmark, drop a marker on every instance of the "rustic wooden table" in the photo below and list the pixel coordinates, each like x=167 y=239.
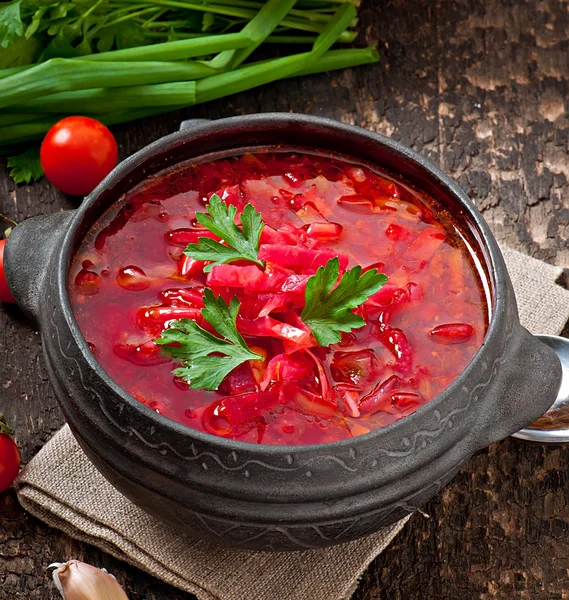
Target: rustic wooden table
x=480 y=87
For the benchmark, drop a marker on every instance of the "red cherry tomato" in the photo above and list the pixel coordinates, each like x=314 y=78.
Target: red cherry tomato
x=77 y=153
x=5 y=294
x=9 y=458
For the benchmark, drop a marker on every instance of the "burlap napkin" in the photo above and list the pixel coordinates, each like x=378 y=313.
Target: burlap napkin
x=61 y=487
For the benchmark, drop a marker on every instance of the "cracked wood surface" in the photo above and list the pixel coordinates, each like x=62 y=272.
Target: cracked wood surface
x=480 y=87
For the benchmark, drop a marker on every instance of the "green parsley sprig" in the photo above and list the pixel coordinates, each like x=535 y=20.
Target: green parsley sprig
x=329 y=300
x=26 y=167
x=207 y=359
x=242 y=244
x=328 y=309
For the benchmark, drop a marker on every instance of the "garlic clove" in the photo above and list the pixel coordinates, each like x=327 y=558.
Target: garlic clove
x=77 y=580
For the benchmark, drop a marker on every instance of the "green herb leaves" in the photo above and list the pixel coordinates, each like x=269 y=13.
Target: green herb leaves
x=207 y=359
x=11 y=26
x=328 y=311
x=241 y=244
x=25 y=167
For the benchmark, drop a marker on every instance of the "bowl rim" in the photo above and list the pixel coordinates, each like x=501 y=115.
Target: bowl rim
x=493 y=260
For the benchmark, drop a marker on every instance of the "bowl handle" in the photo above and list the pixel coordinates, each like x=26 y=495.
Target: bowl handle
x=27 y=257
x=524 y=388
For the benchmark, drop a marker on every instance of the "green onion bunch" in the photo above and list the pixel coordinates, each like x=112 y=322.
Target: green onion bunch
x=120 y=60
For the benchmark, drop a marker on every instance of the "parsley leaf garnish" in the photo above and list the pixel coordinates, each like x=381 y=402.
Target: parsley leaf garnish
x=242 y=244
x=207 y=359
x=328 y=311
x=25 y=167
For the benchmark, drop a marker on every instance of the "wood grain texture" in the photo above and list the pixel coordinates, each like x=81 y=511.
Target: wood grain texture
x=480 y=87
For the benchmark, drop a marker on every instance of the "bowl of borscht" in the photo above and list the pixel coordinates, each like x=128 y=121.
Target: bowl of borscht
x=277 y=331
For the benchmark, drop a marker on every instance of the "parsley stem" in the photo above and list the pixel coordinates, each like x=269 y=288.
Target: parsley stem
x=89 y=11
x=209 y=7
x=128 y=17
x=154 y=18
x=155 y=35
x=310 y=15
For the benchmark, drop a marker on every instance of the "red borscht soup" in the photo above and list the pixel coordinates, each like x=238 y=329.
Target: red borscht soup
x=284 y=324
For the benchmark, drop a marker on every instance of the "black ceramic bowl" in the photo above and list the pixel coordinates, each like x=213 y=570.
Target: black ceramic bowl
x=270 y=497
